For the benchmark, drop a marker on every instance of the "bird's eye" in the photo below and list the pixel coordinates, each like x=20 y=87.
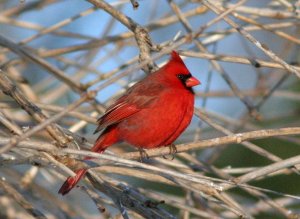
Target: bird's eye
x=180 y=76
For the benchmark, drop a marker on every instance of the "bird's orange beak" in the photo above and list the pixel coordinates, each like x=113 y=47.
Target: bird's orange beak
x=191 y=82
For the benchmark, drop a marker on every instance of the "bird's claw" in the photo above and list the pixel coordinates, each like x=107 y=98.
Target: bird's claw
x=143 y=155
x=173 y=150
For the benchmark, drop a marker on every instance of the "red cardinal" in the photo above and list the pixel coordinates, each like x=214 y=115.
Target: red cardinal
x=151 y=114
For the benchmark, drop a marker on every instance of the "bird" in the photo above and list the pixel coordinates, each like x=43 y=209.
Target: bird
x=150 y=114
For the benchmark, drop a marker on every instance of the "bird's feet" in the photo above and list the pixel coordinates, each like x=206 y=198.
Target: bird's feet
x=143 y=155
x=173 y=151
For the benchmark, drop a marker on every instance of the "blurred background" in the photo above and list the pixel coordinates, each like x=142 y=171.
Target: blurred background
x=55 y=51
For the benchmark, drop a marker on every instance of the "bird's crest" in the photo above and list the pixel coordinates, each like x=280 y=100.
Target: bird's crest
x=175 y=57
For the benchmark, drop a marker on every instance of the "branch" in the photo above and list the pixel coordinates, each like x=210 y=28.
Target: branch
x=231 y=139
x=25 y=53
x=218 y=10
x=15 y=195
x=54 y=130
x=141 y=34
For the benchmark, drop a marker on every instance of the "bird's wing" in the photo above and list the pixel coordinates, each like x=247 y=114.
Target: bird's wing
x=116 y=114
x=134 y=100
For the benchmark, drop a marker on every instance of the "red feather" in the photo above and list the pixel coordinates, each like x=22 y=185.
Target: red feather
x=152 y=113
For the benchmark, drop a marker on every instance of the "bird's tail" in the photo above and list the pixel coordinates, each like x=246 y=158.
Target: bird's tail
x=71 y=182
x=106 y=139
